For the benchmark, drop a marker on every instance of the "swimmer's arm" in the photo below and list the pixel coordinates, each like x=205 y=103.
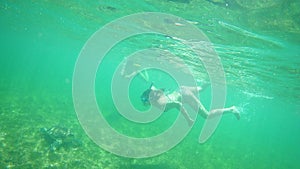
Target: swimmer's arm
x=154 y=88
x=131 y=75
x=178 y=105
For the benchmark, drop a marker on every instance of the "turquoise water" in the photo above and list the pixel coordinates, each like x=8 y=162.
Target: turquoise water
x=257 y=41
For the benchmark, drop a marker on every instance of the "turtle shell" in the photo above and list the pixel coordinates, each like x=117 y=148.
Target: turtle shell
x=58 y=136
x=58 y=132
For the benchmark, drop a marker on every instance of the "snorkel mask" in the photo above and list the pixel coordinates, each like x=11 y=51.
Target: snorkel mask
x=145 y=95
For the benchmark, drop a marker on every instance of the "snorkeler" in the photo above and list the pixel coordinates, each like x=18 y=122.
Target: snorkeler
x=159 y=99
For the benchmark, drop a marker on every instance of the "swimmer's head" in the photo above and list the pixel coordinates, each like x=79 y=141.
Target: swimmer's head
x=145 y=97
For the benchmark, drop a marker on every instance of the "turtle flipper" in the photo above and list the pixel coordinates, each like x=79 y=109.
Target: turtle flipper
x=55 y=145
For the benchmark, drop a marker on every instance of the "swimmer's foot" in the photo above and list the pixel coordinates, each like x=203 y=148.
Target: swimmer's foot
x=236 y=112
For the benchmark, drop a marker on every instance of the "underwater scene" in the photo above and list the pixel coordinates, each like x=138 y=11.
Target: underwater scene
x=257 y=43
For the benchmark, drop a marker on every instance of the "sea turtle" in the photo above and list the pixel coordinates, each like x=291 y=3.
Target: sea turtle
x=58 y=137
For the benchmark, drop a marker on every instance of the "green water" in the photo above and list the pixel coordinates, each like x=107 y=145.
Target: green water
x=257 y=41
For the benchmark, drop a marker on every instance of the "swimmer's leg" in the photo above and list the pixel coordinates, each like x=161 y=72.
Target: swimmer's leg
x=179 y=107
x=195 y=103
x=193 y=90
x=186 y=116
x=204 y=86
x=231 y=110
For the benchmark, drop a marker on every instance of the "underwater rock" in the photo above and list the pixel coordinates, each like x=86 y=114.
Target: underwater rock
x=58 y=137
